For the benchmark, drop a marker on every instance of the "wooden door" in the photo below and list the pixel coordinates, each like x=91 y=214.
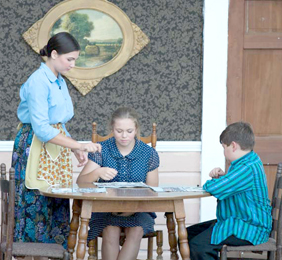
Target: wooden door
x=254 y=82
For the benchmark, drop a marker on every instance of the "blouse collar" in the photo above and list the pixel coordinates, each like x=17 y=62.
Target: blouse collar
x=116 y=153
x=50 y=75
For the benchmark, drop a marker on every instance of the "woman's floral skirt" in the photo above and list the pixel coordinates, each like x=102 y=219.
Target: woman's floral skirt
x=37 y=218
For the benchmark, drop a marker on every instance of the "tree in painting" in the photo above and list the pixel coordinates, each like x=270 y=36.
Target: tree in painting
x=76 y=24
x=79 y=26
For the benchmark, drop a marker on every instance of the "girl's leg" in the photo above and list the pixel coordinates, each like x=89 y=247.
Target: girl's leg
x=110 y=243
x=131 y=245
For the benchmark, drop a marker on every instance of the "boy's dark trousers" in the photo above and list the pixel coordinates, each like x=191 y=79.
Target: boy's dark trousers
x=199 y=238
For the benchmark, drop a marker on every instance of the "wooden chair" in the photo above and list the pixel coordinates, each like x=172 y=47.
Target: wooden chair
x=274 y=245
x=151 y=139
x=93 y=244
x=9 y=248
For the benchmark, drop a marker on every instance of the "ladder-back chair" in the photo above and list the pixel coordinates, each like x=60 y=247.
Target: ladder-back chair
x=93 y=244
x=9 y=248
x=274 y=245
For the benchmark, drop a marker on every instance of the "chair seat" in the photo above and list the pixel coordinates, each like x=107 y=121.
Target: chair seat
x=36 y=249
x=151 y=234
x=270 y=245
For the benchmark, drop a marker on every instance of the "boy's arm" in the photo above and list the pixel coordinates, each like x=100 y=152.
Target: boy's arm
x=235 y=181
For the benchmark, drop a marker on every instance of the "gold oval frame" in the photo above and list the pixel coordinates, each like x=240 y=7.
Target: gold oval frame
x=85 y=79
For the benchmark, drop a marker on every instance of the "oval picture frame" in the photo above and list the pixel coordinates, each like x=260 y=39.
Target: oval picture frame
x=85 y=78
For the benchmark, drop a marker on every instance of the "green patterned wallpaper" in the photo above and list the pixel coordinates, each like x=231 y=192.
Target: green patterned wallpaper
x=163 y=82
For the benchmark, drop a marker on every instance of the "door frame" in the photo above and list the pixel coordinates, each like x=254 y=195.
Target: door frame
x=215 y=39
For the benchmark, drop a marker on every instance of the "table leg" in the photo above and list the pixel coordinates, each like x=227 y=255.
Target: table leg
x=76 y=209
x=85 y=216
x=171 y=235
x=182 y=232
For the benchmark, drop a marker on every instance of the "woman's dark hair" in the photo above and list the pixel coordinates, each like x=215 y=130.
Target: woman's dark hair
x=62 y=43
x=239 y=132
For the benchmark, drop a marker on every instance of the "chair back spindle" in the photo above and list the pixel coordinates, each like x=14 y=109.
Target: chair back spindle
x=4 y=205
x=275 y=199
x=20 y=249
x=7 y=205
x=278 y=215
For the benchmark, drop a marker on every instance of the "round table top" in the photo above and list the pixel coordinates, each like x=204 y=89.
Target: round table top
x=124 y=194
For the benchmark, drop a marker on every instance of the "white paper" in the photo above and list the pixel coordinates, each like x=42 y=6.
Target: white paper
x=78 y=190
x=121 y=184
x=177 y=189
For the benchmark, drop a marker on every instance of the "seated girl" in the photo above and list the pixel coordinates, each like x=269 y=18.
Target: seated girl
x=124 y=158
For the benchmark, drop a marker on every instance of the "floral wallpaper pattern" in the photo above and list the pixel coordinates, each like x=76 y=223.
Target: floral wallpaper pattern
x=163 y=82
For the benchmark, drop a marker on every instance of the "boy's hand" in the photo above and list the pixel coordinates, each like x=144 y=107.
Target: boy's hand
x=216 y=173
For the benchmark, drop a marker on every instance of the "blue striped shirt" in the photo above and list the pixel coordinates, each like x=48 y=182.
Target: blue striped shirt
x=243 y=207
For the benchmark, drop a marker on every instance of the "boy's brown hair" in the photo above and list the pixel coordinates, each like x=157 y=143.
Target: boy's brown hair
x=240 y=133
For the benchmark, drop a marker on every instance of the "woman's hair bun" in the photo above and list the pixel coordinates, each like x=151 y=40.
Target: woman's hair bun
x=43 y=51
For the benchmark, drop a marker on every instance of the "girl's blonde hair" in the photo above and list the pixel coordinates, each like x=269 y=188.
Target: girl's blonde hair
x=124 y=113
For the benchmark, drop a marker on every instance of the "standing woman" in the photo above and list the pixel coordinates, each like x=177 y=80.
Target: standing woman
x=41 y=154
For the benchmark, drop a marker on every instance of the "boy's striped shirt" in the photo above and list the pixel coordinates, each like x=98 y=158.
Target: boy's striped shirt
x=243 y=207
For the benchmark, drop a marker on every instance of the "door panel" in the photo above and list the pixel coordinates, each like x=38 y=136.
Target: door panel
x=254 y=82
x=262 y=81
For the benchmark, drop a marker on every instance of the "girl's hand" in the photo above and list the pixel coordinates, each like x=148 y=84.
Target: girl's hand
x=90 y=147
x=81 y=156
x=216 y=173
x=107 y=173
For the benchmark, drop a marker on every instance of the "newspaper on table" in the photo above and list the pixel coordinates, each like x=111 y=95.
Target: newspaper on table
x=144 y=185
x=121 y=185
x=177 y=189
x=78 y=190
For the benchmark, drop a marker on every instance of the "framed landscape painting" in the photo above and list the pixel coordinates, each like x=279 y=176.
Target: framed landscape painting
x=108 y=39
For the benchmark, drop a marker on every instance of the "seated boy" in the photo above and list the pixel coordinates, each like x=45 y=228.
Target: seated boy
x=243 y=207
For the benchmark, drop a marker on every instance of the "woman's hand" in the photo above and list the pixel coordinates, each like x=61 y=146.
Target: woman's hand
x=90 y=147
x=107 y=173
x=216 y=173
x=81 y=156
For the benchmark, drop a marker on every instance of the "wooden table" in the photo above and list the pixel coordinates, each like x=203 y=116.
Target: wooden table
x=127 y=200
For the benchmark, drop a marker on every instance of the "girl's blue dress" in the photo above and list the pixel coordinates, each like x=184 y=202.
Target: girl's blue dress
x=131 y=168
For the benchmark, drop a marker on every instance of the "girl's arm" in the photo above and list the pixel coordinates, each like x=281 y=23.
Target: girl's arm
x=153 y=178
x=93 y=171
x=88 y=173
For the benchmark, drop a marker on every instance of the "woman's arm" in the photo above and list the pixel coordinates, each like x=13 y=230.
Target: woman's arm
x=68 y=142
x=153 y=178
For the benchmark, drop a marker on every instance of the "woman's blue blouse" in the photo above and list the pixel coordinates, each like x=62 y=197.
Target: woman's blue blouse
x=45 y=100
